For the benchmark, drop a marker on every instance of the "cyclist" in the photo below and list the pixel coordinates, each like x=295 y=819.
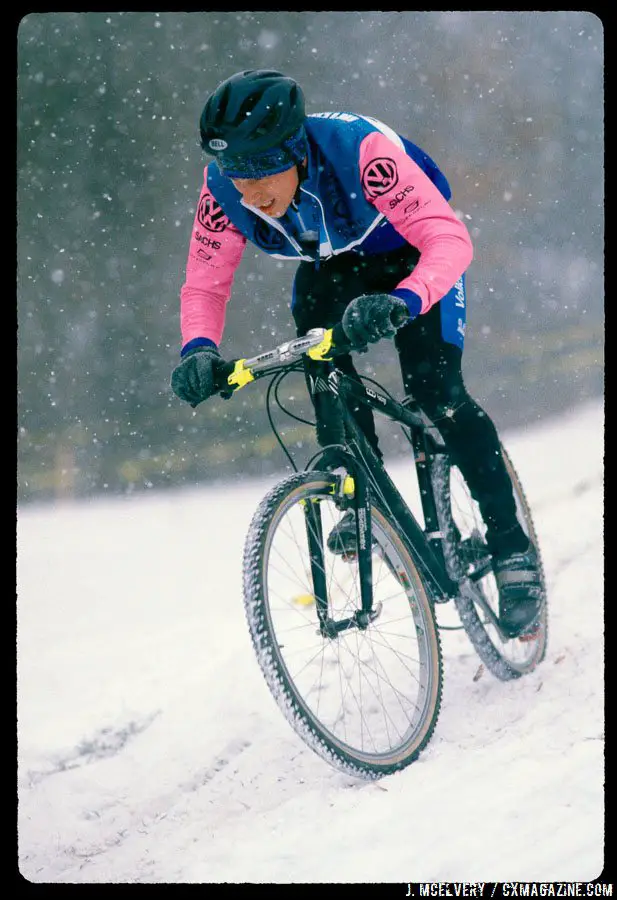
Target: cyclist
x=365 y=213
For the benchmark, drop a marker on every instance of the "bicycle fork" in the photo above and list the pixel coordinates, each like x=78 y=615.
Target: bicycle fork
x=361 y=619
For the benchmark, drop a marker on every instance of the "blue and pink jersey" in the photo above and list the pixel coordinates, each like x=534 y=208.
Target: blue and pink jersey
x=368 y=190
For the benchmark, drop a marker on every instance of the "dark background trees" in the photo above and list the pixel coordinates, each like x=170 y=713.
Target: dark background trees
x=108 y=174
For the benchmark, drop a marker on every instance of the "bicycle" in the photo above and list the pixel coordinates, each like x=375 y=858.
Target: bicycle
x=348 y=642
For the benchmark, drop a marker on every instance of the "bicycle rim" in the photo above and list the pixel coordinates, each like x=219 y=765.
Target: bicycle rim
x=365 y=700
x=505 y=658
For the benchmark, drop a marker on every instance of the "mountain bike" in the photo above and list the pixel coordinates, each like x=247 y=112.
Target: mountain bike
x=348 y=639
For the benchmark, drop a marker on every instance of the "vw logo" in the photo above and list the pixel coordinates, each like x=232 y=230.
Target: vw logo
x=210 y=214
x=379 y=176
x=269 y=239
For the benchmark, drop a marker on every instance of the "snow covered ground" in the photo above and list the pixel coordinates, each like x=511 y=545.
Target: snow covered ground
x=151 y=751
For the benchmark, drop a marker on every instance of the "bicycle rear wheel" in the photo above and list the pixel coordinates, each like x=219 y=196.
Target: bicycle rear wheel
x=366 y=700
x=467 y=555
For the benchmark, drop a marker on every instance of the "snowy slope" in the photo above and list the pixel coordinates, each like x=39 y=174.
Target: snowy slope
x=151 y=751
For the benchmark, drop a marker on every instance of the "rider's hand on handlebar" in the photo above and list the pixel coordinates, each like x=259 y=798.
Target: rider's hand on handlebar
x=195 y=378
x=371 y=317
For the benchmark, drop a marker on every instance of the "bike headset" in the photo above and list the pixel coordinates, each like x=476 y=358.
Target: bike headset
x=253 y=125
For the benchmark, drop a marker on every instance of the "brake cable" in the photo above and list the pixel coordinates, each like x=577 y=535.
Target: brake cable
x=272 y=398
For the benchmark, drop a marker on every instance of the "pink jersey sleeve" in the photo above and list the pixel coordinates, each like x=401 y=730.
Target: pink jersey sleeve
x=215 y=251
x=399 y=189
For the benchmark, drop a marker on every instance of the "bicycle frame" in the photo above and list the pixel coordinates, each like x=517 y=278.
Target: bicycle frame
x=425 y=545
x=369 y=474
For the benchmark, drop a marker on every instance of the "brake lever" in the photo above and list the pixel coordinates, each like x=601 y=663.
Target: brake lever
x=223 y=388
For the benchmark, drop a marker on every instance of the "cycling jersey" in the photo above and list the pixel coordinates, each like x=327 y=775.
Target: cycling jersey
x=367 y=190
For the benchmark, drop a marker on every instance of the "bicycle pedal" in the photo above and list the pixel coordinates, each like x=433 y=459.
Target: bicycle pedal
x=479 y=568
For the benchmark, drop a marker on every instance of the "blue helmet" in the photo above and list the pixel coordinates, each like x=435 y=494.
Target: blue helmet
x=253 y=123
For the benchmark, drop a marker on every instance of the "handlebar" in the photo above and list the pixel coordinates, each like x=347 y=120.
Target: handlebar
x=318 y=343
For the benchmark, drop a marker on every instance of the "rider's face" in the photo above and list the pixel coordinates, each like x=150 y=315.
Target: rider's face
x=272 y=194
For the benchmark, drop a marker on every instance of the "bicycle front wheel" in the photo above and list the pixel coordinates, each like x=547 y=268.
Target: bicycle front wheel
x=365 y=699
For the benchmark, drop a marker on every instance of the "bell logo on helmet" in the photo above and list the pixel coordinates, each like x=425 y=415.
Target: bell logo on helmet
x=217 y=144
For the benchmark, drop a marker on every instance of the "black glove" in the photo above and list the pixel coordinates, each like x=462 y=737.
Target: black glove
x=194 y=378
x=371 y=317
